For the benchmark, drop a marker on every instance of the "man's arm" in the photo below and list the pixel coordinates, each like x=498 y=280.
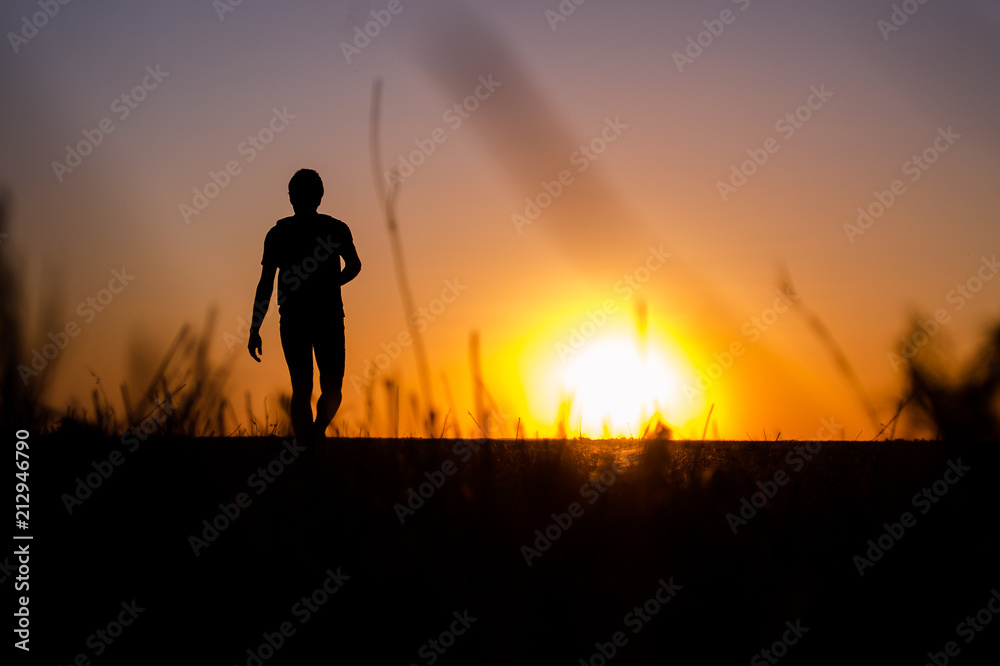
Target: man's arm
x=261 y=301
x=352 y=264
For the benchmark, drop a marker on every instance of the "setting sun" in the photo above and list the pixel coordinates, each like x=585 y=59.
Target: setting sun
x=547 y=323
x=616 y=387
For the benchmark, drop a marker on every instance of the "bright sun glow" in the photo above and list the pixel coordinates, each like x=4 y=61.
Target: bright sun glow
x=616 y=388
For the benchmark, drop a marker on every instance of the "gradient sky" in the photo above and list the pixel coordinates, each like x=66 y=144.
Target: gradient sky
x=889 y=95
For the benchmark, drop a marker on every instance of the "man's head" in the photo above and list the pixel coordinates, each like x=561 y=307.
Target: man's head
x=305 y=191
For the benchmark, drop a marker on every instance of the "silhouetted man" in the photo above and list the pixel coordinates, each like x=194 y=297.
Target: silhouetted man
x=307 y=248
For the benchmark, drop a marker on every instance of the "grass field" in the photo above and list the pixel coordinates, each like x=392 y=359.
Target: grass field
x=649 y=518
x=188 y=547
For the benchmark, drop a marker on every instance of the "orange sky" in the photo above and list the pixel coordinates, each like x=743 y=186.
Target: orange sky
x=817 y=110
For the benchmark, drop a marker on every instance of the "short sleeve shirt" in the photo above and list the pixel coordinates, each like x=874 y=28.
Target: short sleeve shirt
x=307 y=250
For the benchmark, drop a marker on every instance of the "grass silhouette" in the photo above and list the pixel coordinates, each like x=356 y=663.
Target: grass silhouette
x=186 y=394
x=387 y=194
x=649 y=509
x=21 y=403
x=962 y=406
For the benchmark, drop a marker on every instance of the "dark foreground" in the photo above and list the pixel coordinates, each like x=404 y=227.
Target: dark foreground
x=640 y=563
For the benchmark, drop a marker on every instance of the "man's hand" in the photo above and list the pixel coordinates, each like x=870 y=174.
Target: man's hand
x=260 y=301
x=255 y=345
x=352 y=263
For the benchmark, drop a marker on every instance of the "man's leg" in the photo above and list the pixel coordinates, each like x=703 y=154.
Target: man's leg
x=330 y=357
x=295 y=343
